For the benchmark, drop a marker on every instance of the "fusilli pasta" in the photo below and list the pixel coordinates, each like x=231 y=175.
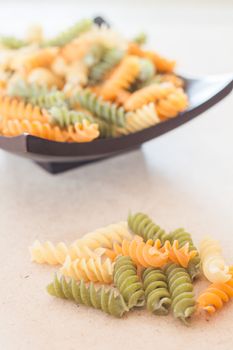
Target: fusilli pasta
x=99 y=297
x=128 y=283
x=102 y=109
x=213 y=264
x=181 y=290
x=158 y=298
x=215 y=296
x=121 y=78
x=142 y=225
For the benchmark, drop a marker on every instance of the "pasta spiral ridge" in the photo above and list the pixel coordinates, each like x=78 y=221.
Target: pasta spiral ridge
x=70 y=34
x=90 y=269
x=213 y=264
x=128 y=283
x=109 y=60
x=102 y=109
x=158 y=299
x=142 y=254
x=215 y=296
x=100 y=297
x=142 y=225
x=181 y=291
x=183 y=238
x=121 y=78
x=140 y=119
x=150 y=93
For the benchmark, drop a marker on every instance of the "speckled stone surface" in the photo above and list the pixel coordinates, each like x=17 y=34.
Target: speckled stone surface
x=183 y=179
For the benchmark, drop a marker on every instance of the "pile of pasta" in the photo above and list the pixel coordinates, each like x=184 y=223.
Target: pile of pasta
x=131 y=264
x=86 y=83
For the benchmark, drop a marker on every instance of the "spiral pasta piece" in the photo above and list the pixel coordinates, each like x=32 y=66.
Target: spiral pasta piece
x=142 y=225
x=37 y=95
x=183 y=238
x=107 y=111
x=179 y=255
x=92 y=244
x=121 y=78
x=162 y=64
x=213 y=264
x=181 y=291
x=215 y=296
x=172 y=104
x=91 y=269
x=143 y=254
x=140 y=119
x=49 y=253
x=77 y=133
x=11 y=108
x=158 y=299
x=100 y=297
x=71 y=33
x=128 y=283
x=145 y=95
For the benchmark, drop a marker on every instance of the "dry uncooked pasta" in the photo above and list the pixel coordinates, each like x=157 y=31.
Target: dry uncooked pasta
x=123 y=86
x=213 y=265
x=92 y=244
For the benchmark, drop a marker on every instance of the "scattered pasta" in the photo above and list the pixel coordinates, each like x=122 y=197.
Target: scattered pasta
x=134 y=264
x=88 y=73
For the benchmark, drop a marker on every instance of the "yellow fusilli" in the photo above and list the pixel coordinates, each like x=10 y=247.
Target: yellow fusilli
x=213 y=264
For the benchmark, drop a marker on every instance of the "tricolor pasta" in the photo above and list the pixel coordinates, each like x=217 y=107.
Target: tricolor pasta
x=137 y=264
x=89 y=71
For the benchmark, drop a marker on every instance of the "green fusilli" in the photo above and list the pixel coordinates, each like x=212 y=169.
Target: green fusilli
x=109 y=60
x=128 y=283
x=184 y=237
x=103 y=298
x=37 y=95
x=11 y=42
x=108 y=111
x=70 y=34
x=142 y=225
x=158 y=298
x=181 y=290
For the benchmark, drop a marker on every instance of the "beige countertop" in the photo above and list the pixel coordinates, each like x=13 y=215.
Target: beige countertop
x=183 y=179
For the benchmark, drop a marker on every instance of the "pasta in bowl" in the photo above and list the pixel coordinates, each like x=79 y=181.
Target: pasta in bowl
x=89 y=93
x=88 y=82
